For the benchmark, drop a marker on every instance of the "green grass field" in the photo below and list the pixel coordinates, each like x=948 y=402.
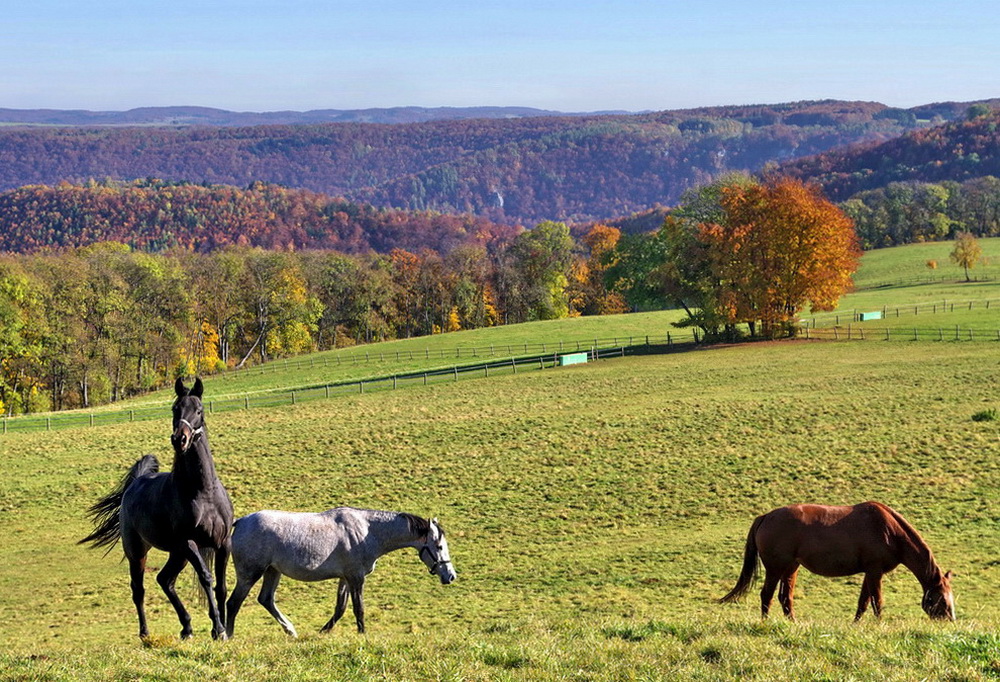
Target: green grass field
x=594 y=514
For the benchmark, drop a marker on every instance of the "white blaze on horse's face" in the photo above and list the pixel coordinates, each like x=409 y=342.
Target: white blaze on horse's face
x=435 y=554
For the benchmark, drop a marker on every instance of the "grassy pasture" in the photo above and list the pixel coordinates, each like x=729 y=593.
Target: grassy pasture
x=594 y=513
x=903 y=265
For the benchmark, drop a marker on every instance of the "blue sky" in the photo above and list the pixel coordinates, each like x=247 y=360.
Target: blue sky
x=256 y=55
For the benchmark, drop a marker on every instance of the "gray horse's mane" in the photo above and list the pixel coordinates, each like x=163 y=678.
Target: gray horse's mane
x=419 y=524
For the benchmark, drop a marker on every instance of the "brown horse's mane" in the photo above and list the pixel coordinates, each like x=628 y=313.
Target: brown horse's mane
x=914 y=537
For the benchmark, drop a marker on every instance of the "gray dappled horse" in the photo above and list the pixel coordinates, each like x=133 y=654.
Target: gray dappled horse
x=339 y=543
x=185 y=512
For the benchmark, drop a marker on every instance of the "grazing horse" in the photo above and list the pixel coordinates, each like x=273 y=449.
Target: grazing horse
x=339 y=543
x=186 y=513
x=868 y=538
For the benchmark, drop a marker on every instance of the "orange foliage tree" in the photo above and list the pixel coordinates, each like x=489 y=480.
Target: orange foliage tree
x=778 y=246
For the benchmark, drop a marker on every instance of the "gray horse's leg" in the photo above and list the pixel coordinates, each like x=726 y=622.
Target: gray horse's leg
x=341 y=606
x=357 y=588
x=166 y=578
x=244 y=583
x=266 y=599
x=205 y=578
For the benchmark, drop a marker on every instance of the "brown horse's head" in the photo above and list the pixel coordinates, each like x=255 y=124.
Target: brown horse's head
x=938 y=601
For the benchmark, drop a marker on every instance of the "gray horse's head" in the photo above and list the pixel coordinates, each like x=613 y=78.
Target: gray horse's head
x=434 y=553
x=189 y=420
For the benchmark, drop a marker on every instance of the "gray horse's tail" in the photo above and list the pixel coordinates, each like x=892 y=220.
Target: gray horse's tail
x=104 y=512
x=749 y=573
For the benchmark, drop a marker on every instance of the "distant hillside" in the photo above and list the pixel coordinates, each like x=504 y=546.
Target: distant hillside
x=154 y=215
x=512 y=170
x=957 y=151
x=207 y=116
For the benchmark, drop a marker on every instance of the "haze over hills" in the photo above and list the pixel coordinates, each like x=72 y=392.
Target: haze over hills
x=208 y=116
x=511 y=165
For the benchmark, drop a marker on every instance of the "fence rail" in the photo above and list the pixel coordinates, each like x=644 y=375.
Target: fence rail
x=926 y=279
x=889 y=311
x=485 y=369
x=360 y=355
x=864 y=332
x=512 y=364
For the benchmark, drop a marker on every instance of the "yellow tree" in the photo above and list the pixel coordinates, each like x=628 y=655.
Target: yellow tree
x=601 y=241
x=967 y=252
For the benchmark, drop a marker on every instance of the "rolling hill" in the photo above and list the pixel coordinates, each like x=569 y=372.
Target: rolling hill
x=514 y=170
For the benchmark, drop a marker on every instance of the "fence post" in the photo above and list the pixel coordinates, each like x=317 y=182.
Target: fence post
x=425 y=378
x=513 y=364
x=886 y=333
x=293 y=397
x=246 y=402
x=48 y=423
x=131 y=415
x=456 y=372
x=394 y=382
x=327 y=390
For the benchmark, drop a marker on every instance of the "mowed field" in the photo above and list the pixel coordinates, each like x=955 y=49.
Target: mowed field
x=594 y=513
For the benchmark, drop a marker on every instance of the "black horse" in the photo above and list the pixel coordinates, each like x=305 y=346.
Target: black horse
x=186 y=513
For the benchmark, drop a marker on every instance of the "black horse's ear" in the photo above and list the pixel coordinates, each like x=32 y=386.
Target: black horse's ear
x=179 y=388
x=198 y=388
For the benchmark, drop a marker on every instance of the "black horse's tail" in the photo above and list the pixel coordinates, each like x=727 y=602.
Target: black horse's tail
x=749 y=573
x=104 y=512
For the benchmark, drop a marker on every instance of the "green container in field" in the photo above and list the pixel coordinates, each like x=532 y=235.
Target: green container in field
x=572 y=359
x=864 y=317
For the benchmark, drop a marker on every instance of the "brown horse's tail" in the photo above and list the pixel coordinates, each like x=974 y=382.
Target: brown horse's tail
x=749 y=573
x=105 y=511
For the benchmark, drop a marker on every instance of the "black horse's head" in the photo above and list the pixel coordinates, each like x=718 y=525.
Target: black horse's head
x=189 y=419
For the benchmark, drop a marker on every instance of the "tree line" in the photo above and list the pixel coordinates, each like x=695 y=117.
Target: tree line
x=91 y=324
x=88 y=325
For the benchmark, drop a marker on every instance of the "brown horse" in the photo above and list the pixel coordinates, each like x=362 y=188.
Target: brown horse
x=867 y=538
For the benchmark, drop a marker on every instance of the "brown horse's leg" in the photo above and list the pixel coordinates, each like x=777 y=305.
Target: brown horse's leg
x=767 y=592
x=875 y=588
x=137 y=570
x=786 y=592
x=166 y=578
x=867 y=596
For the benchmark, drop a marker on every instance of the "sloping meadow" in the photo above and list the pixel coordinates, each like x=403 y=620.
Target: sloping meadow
x=594 y=515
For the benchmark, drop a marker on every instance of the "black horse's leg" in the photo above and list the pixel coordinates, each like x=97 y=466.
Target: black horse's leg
x=205 y=578
x=167 y=577
x=341 y=606
x=767 y=592
x=358 y=603
x=221 y=559
x=266 y=598
x=137 y=570
x=786 y=592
